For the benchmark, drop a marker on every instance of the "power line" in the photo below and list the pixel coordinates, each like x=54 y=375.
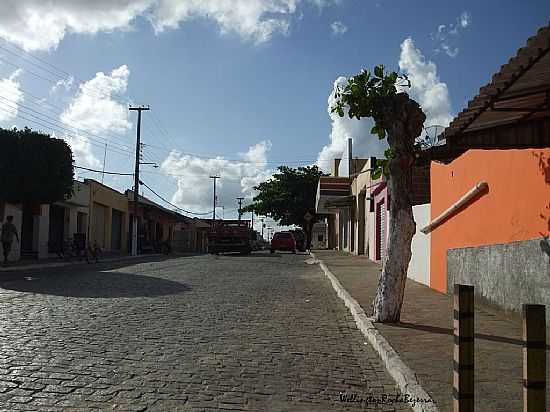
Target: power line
x=57 y=129
x=101 y=171
x=56 y=122
x=171 y=204
x=156 y=120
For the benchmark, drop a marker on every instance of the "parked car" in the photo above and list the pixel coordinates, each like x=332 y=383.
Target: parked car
x=283 y=241
x=300 y=238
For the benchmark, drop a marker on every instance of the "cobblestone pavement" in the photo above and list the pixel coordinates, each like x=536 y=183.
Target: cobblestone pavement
x=258 y=333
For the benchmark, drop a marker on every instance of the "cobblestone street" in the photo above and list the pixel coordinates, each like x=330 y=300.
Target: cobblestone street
x=257 y=333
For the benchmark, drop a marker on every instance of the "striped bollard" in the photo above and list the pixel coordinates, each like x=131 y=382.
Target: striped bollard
x=463 y=364
x=534 y=358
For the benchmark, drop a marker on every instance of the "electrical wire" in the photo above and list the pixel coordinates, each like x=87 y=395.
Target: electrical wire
x=173 y=205
x=49 y=119
x=102 y=171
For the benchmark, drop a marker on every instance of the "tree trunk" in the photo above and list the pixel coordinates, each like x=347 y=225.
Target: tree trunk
x=405 y=123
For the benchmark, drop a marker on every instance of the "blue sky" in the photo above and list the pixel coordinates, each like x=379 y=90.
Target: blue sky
x=249 y=87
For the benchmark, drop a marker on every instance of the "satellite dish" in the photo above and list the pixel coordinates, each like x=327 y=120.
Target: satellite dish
x=433 y=135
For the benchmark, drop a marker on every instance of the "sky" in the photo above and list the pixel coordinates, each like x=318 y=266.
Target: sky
x=236 y=87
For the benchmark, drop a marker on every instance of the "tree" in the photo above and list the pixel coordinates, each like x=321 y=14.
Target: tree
x=288 y=196
x=399 y=119
x=34 y=167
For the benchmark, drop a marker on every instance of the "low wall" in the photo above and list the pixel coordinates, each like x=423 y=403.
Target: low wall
x=419 y=267
x=506 y=275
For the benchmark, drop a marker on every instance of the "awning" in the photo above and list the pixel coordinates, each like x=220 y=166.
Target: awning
x=332 y=189
x=345 y=201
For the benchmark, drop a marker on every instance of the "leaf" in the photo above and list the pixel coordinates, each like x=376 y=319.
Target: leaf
x=374 y=130
x=376 y=173
x=389 y=153
x=379 y=71
x=381 y=133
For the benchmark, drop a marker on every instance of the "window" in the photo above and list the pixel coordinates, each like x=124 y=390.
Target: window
x=320 y=238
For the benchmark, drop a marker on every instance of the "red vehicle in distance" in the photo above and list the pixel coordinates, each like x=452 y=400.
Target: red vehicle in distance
x=283 y=241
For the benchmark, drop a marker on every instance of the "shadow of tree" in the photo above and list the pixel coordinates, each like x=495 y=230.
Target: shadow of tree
x=544 y=166
x=95 y=284
x=449 y=331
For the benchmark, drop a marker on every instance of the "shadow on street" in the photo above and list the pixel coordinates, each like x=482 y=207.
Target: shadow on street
x=93 y=283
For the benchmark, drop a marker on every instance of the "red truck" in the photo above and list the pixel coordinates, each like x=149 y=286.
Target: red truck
x=230 y=236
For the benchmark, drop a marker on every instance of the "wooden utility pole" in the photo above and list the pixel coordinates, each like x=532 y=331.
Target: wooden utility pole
x=215 y=177
x=136 y=180
x=104 y=158
x=240 y=199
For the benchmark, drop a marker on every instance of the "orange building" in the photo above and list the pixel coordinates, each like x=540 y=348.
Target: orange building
x=515 y=207
x=490 y=187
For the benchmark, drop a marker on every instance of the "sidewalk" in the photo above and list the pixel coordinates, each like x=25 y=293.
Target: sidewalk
x=424 y=337
x=60 y=262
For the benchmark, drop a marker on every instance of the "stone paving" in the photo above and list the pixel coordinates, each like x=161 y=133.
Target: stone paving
x=258 y=333
x=424 y=337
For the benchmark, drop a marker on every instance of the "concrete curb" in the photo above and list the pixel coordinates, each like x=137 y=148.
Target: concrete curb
x=63 y=264
x=404 y=377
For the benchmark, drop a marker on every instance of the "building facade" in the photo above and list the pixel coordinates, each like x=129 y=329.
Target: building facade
x=490 y=183
x=108 y=218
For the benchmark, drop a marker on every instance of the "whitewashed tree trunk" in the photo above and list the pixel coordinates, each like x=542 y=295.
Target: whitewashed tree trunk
x=403 y=122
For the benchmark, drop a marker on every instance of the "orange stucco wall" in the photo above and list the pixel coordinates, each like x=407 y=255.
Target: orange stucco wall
x=516 y=207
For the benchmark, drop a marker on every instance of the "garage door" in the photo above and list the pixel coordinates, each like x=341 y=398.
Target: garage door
x=116 y=230
x=98 y=222
x=381 y=231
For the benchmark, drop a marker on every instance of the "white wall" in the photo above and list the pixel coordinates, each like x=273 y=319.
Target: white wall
x=419 y=267
x=371 y=234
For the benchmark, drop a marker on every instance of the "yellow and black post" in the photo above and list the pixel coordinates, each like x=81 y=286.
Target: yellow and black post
x=463 y=363
x=534 y=358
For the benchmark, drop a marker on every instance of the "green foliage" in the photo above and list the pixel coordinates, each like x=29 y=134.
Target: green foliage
x=34 y=167
x=365 y=96
x=288 y=195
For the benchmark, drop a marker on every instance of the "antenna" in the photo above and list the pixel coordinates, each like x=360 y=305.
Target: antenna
x=433 y=135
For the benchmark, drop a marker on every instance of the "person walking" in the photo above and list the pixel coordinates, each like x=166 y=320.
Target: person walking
x=8 y=232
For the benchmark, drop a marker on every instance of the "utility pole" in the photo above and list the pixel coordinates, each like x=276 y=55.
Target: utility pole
x=252 y=220
x=240 y=199
x=262 y=228
x=136 y=180
x=215 y=177
x=104 y=157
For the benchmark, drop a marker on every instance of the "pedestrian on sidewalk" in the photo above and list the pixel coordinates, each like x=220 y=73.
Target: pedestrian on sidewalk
x=8 y=232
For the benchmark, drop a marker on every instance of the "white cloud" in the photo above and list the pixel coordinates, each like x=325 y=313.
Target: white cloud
x=94 y=110
x=364 y=143
x=325 y=3
x=464 y=19
x=446 y=35
x=238 y=177
x=82 y=151
x=255 y=20
x=12 y=96
x=67 y=84
x=427 y=89
x=338 y=28
x=42 y=25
